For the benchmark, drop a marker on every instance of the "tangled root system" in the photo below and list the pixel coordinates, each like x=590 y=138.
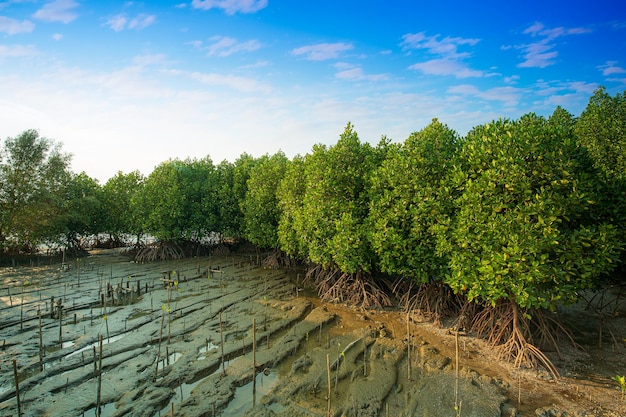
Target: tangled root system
x=433 y=300
x=513 y=334
x=278 y=259
x=160 y=251
x=360 y=289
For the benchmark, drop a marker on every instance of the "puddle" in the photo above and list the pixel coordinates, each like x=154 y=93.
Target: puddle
x=205 y=349
x=185 y=389
x=244 y=395
x=105 y=341
x=139 y=313
x=174 y=357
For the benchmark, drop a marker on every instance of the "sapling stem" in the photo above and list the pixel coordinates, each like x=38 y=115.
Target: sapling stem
x=456 y=374
x=408 y=346
x=40 y=342
x=253 y=361
x=222 y=344
x=99 y=395
x=17 y=389
x=328 y=373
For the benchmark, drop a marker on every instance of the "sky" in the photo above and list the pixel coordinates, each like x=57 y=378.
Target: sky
x=126 y=86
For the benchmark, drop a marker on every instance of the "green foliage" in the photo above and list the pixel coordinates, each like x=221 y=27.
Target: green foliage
x=118 y=194
x=602 y=131
x=409 y=201
x=177 y=201
x=83 y=208
x=232 y=181
x=261 y=212
x=621 y=381
x=33 y=173
x=290 y=194
x=336 y=202
x=523 y=229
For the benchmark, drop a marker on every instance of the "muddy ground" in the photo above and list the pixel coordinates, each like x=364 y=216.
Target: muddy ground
x=184 y=345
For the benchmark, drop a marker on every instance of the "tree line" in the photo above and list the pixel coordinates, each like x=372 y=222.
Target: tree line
x=517 y=216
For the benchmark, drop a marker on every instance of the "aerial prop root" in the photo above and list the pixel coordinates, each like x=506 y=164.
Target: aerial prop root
x=509 y=332
x=360 y=289
x=159 y=252
x=434 y=299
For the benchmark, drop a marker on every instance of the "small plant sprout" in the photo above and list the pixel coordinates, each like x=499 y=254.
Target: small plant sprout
x=621 y=381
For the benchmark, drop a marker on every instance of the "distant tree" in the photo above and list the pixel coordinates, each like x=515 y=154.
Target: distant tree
x=33 y=173
x=177 y=200
x=119 y=216
x=290 y=194
x=261 y=212
x=83 y=210
x=203 y=202
x=177 y=205
x=163 y=199
x=232 y=179
x=601 y=129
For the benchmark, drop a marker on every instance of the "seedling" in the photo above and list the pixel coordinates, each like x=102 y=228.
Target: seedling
x=621 y=381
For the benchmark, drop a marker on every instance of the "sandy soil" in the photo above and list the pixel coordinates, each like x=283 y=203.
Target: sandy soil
x=187 y=346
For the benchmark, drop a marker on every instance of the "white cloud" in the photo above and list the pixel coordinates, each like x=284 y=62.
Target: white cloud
x=357 y=74
x=543 y=88
x=237 y=83
x=446 y=67
x=230 y=7
x=224 y=46
x=617 y=80
x=13 y=27
x=610 y=68
x=508 y=96
x=121 y=22
x=446 y=47
x=149 y=59
x=117 y=22
x=258 y=64
x=512 y=79
x=449 y=59
x=141 y=21
x=541 y=54
x=322 y=51
x=15 y=51
x=582 y=87
x=57 y=11
x=464 y=89
x=57 y=36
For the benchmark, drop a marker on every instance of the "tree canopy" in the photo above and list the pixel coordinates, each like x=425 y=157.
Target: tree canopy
x=33 y=173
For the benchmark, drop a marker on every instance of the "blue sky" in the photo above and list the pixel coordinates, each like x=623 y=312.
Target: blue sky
x=127 y=85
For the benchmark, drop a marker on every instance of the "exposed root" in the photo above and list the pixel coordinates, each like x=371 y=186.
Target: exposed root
x=605 y=305
x=358 y=289
x=221 y=250
x=278 y=259
x=510 y=334
x=433 y=300
x=160 y=251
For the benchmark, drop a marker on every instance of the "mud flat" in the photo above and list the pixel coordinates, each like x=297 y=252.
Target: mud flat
x=221 y=336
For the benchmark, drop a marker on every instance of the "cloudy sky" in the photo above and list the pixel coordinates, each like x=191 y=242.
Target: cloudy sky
x=127 y=85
